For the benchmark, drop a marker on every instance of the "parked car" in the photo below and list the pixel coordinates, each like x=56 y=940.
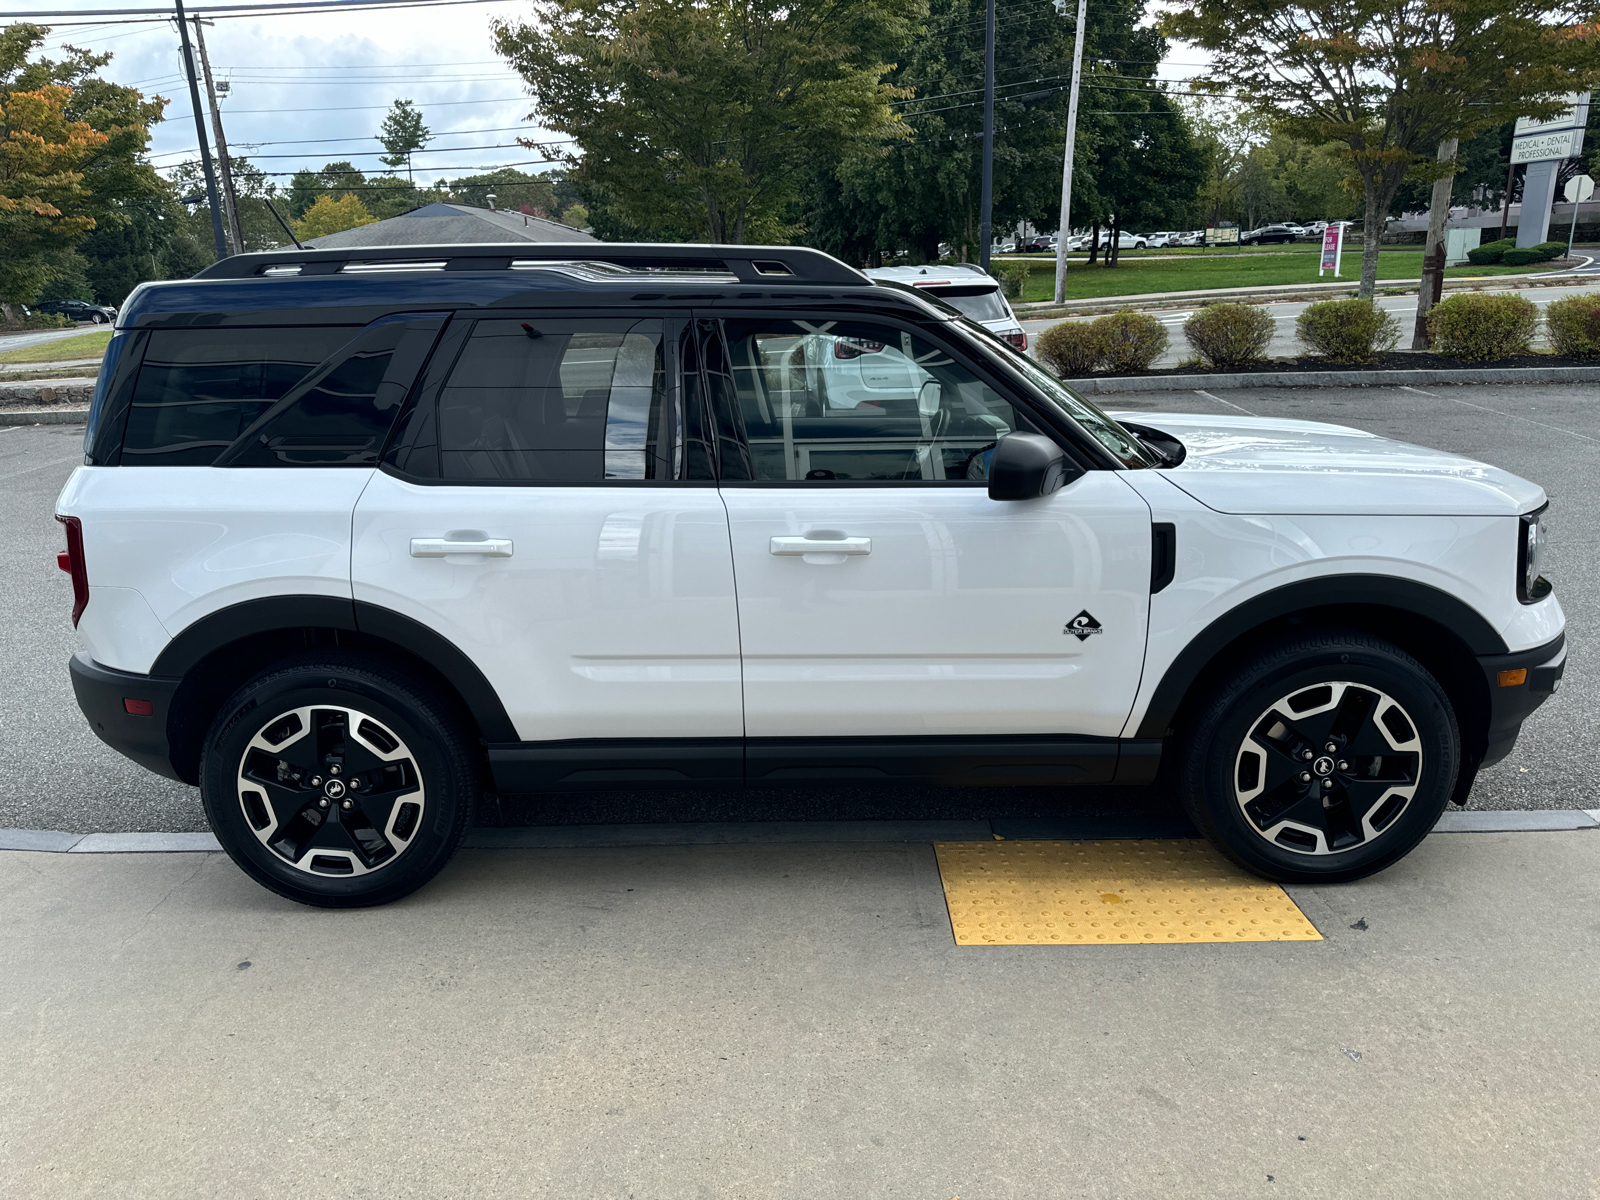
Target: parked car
x=1037 y=244
x=1268 y=235
x=485 y=517
x=1160 y=241
x=965 y=288
x=79 y=310
x=1193 y=237
x=1125 y=241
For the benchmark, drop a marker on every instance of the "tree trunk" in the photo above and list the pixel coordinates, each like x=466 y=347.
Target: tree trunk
x=1094 y=244
x=1114 y=241
x=1433 y=248
x=1372 y=223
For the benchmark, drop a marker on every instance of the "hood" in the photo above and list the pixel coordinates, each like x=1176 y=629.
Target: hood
x=1257 y=465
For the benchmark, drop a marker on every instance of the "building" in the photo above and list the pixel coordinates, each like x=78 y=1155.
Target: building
x=452 y=224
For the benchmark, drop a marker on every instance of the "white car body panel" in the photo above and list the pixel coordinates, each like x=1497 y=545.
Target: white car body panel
x=613 y=617
x=905 y=640
x=193 y=540
x=1226 y=560
x=120 y=630
x=1254 y=465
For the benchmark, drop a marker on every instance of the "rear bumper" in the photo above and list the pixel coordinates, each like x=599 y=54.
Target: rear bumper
x=1513 y=703
x=102 y=694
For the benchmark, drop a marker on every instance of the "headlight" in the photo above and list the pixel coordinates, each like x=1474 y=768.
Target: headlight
x=1531 y=586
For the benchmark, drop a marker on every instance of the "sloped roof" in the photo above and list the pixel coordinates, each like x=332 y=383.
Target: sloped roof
x=452 y=224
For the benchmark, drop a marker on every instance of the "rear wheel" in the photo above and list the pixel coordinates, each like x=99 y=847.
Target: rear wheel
x=1324 y=758
x=337 y=782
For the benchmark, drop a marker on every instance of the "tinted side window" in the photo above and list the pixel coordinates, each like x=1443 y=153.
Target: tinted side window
x=341 y=413
x=553 y=401
x=845 y=400
x=199 y=389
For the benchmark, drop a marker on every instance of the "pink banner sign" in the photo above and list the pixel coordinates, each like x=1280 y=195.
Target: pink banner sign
x=1330 y=248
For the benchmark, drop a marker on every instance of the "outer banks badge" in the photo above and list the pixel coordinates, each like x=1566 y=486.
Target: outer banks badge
x=1083 y=626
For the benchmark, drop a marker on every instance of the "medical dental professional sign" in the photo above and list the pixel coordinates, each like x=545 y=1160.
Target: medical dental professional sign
x=1559 y=137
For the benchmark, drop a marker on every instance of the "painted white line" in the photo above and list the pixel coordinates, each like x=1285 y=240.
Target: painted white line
x=1229 y=403
x=54 y=462
x=1514 y=417
x=1406 y=387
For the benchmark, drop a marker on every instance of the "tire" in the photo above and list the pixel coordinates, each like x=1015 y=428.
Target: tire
x=1256 y=763
x=338 y=782
x=97 y=319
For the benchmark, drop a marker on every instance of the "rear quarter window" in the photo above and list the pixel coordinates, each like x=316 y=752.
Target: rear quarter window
x=199 y=389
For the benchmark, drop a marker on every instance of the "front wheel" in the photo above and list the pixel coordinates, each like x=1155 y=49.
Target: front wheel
x=337 y=782
x=1324 y=758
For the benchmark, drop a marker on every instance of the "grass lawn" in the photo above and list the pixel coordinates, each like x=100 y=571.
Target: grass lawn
x=1133 y=276
x=86 y=345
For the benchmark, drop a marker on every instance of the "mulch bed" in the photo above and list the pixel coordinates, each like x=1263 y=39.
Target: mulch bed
x=1412 y=360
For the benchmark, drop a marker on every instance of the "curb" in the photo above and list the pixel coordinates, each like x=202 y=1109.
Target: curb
x=747 y=833
x=46 y=416
x=1041 y=309
x=1391 y=378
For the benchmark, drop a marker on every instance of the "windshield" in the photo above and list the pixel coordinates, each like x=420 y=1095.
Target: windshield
x=979 y=303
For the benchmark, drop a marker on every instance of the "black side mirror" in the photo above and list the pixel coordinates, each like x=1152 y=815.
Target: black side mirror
x=1026 y=466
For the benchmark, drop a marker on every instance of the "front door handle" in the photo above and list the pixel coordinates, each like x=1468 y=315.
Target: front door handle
x=828 y=545
x=444 y=547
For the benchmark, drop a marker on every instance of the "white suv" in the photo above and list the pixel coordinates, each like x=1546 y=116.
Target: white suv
x=359 y=540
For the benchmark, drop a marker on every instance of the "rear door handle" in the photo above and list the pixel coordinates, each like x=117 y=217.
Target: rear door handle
x=806 y=545
x=444 y=547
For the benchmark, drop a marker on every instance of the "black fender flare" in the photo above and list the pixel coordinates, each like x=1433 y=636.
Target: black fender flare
x=215 y=631
x=1419 y=600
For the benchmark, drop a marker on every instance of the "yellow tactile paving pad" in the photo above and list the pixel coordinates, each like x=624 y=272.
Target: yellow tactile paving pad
x=1007 y=893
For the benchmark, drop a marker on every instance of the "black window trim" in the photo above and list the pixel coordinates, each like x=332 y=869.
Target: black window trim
x=1019 y=397
x=432 y=378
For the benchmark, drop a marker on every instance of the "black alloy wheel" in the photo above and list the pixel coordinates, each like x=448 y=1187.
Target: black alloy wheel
x=1323 y=758
x=338 y=782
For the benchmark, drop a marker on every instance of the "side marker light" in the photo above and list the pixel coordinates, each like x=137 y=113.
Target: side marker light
x=1512 y=678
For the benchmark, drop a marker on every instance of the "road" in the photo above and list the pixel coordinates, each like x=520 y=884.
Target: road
x=1284 y=343
x=791 y=1023
x=21 y=341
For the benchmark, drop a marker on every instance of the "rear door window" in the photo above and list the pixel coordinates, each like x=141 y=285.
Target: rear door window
x=559 y=401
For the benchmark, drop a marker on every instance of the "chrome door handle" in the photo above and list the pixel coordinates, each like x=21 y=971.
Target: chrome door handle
x=444 y=547
x=806 y=545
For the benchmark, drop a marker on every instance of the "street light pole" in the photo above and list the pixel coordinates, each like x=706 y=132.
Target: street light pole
x=1064 y=227
x=985 y=233
x=200 y=132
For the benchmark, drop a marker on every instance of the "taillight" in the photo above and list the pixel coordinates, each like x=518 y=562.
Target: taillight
x=72 y=562
x=1019 y=339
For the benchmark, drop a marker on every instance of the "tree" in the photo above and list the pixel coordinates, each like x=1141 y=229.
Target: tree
x=328 y=215
x=512 y=189
x=576 y=216
x=402 y=135
x=1391 y=79
x=708 y=115
x=71 y=148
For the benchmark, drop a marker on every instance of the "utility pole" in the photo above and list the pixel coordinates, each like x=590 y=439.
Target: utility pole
x=1064 y=228
x=1428 y=290
x=200 y=133
x=985 y=225
x=230 y=197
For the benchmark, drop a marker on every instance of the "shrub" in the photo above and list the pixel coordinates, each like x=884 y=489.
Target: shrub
x=1574 y=326
x=1131 y=341
x=1549 y=250
x=1347 y=331
x=1490 y=252
x=1521 y=258
x=1072 y=349
x=1014 y=279
x=40 y=320
x=1481 y=328
x=1229 y=335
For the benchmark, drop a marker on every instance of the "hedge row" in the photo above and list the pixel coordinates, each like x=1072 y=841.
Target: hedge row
x=1505 y=251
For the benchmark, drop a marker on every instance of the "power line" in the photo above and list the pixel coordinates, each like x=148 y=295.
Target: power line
x=239 y=112
x=223 y=10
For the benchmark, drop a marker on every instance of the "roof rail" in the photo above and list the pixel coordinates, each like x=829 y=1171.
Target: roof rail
x=764 y=265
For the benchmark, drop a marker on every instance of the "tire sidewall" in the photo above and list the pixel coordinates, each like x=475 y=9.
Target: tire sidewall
x=446 y=776
x=1212 y=764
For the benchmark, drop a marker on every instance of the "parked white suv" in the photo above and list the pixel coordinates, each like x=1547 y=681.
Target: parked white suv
x=363 y=535
x=965 y=287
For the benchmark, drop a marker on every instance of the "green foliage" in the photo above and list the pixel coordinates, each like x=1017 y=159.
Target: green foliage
x=511 y=188
x=1347 y=330
x=1014 y=279
x=1482 y=328
x=1491 y=252
x=1132 y=341
x=71 y=151
x=42 y=320
x=576 y=216
x=402 y=133
x=1072 y=349
x=328 y=215
x=1521 y=258
x=1229 y=335
x=709 y=116
x=1574 y=326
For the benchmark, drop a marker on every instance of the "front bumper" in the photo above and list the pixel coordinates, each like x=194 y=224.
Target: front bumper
x=103 y=695
x=1518 y=684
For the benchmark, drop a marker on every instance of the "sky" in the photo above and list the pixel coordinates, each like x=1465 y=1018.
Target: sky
x=309 y=88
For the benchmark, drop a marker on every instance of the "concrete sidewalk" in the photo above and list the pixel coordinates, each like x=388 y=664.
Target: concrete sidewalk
x=788 y=1021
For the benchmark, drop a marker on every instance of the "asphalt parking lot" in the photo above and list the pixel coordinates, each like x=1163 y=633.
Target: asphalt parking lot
x=54 y=774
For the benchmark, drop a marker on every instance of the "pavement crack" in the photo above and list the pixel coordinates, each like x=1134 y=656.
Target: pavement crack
x=199 y=866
